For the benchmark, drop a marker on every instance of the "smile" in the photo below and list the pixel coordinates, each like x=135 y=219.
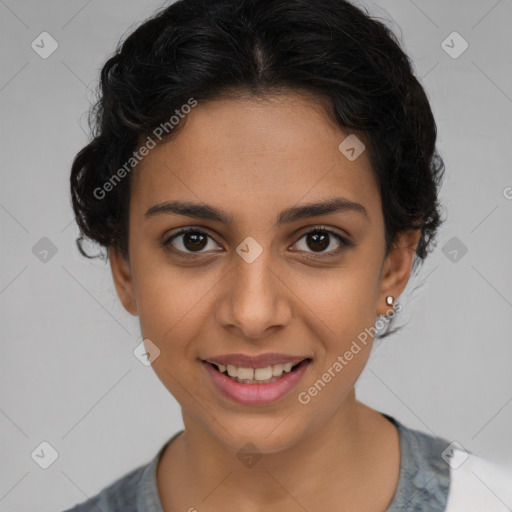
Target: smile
x=256 y=385
x=255 y=375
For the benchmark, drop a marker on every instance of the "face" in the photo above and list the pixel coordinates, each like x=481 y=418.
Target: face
x=260 y=275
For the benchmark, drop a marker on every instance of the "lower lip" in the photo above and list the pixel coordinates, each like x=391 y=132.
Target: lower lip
x=256 y=394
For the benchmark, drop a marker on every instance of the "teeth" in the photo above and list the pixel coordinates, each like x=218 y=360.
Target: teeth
x=277 y=370
x=232 y=370
x=245 y=373
x=263 y=373
x=255 y=374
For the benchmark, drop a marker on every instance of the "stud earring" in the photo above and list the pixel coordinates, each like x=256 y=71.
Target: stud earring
x=390 y=302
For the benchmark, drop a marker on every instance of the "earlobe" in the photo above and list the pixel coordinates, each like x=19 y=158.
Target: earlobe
x=121 y=274
x=397 y=268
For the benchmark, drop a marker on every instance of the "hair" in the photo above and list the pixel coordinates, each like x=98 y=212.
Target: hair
x=216 y=49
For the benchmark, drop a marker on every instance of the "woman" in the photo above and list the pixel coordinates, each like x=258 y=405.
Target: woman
x=264 y=178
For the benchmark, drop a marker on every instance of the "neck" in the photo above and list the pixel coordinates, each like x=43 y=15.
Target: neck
x=341 y=455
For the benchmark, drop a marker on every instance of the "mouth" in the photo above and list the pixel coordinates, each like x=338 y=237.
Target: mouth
x=256 y=386
x=262 y=375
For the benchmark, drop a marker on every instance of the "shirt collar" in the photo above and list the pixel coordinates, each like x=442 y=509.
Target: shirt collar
x=148 y=498
x=423 y=483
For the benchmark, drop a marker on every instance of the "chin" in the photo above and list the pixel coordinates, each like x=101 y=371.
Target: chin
x=260 y=435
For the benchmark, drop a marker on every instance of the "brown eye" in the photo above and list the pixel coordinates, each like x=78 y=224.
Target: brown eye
x=188 y=240
x=320 y=240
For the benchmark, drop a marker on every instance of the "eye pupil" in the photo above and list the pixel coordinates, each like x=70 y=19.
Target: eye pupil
x=194 y=241
x=318 y=238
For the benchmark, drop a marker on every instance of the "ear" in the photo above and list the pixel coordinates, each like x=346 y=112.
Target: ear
x=121 y=273
x=397 y=268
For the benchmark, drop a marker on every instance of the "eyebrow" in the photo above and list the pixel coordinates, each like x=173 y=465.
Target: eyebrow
x=292 y=214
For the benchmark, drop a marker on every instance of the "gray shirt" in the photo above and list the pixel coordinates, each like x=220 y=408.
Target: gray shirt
x=423 y=484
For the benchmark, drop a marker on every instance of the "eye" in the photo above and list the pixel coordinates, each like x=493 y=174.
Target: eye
x=188 y=241
x=191 y=241
x=320 y=239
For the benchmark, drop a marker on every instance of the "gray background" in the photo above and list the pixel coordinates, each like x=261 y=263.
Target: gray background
x=67 y=371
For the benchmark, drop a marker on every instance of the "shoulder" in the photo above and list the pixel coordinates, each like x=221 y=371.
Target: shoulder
x=135 y=491
x=424 y=479
x=478 y=484
x=118 y=496
x=443 y=476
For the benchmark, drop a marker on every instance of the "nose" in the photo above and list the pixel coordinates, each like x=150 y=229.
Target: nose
x=256 y=298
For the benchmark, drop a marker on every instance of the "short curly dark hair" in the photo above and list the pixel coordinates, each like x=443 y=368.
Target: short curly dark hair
x=215 y=49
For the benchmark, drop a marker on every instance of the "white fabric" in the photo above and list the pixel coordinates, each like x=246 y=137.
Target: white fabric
x=478 y=485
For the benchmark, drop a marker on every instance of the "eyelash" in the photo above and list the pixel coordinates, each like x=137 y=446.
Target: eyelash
x=344 y=243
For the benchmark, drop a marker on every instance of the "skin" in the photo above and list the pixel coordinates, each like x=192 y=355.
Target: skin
x=253 y=159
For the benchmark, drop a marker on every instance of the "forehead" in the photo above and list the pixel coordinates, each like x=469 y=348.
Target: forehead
x=245 y=155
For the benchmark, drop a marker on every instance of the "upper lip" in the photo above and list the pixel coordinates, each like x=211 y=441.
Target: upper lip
x=259 y=361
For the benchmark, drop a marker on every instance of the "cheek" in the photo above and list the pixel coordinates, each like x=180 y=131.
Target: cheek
x=171 y=302
x=341 y=319
x=171 y=305
x=344 y=302
x=341 y=312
